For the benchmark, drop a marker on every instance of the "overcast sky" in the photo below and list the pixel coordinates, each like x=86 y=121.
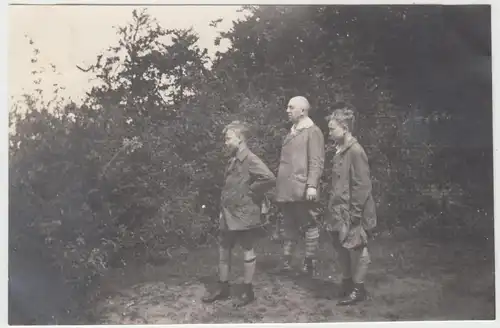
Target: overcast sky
x=73 y=35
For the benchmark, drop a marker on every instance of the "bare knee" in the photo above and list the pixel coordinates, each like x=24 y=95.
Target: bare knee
x=364 y=257
x=224 y=255
x=249 y=255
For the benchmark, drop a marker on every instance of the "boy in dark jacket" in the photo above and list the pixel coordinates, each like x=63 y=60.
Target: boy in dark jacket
x=351 y=208
x=247 y=179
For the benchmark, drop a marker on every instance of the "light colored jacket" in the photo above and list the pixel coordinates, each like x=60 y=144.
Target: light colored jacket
x=247 y=179
x=301 y=163
x=351 y=208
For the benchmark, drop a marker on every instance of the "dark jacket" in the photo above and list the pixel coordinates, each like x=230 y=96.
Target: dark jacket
x=247 y=179
x=351 y=208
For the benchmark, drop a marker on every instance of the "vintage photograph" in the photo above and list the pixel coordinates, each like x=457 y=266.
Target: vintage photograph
x=250 y=164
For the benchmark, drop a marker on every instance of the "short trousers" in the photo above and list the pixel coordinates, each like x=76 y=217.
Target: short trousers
x=246 y=238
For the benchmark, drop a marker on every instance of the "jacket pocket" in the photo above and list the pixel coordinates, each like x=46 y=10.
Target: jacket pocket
x=298 y=184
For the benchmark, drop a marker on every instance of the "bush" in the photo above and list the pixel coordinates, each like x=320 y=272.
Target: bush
x=139 y=165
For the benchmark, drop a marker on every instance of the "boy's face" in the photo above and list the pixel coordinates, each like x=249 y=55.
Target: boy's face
x=336 y=130
x=232 y=140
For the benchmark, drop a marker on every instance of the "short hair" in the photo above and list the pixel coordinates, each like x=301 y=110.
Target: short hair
x=239 y=127
x=344 y=116
x=303 y=102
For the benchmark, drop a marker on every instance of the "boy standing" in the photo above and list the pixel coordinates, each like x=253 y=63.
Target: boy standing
x=351 y=208
x=247 y=179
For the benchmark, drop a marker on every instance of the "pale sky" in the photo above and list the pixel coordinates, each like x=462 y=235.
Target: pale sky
x=74 y=35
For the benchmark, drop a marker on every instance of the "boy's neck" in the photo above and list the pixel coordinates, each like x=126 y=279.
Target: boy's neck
x=345 y=140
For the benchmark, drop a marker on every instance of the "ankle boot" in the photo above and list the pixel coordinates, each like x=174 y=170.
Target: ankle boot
x=357 y=295
x=309 y=267
x=220 y=293
x=285 y=266
x=346 y=287
x=247 y=297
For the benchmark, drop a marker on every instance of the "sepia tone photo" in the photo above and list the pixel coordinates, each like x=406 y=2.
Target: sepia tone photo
x=250 y=164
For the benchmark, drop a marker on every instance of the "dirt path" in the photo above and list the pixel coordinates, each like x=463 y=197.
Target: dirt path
x=411 y=280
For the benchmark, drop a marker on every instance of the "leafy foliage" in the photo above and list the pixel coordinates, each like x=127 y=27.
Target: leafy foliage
x=138 y=165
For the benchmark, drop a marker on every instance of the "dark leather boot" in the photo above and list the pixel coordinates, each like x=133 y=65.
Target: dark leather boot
x=309 y=267
x=287 y=264
x=247 y=297
x=220 y=293
x=357 y=295
x=346 y=287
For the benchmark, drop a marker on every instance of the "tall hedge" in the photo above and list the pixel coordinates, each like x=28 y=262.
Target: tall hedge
x=139 y=165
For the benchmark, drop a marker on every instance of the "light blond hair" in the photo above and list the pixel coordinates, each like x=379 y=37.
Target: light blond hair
x=344 y=116
x=239 y=127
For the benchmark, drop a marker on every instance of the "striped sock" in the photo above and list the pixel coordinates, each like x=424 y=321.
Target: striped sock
x=311 y=242
x=288 y=246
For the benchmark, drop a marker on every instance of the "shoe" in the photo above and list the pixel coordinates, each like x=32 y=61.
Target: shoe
x=346 y=287
x=309 y=267
x=220 y=293
x=285 y=266
x=358 y=294
x=246 y=298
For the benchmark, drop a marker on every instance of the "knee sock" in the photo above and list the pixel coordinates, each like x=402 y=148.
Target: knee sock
x=360 y=259
x=249 y=266
x=288 y=248
x=311 y=242
x=224 y=264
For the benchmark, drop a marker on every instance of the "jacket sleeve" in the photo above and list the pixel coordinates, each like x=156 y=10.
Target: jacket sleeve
x=360 y=184
x=315 y=157
x=262 y=179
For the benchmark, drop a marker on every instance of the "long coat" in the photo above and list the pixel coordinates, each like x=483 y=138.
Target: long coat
x=301 y=164
x=351 y=208
x=247 y=179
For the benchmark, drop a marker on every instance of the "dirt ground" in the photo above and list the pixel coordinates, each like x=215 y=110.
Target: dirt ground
x=409 y=280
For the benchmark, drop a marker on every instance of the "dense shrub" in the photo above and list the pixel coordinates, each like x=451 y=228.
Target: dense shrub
x=139 y=165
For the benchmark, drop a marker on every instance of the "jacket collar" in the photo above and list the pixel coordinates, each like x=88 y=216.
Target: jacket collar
x=348 y=142
x=242 y=152
x=304 y=124
x=240 y=155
